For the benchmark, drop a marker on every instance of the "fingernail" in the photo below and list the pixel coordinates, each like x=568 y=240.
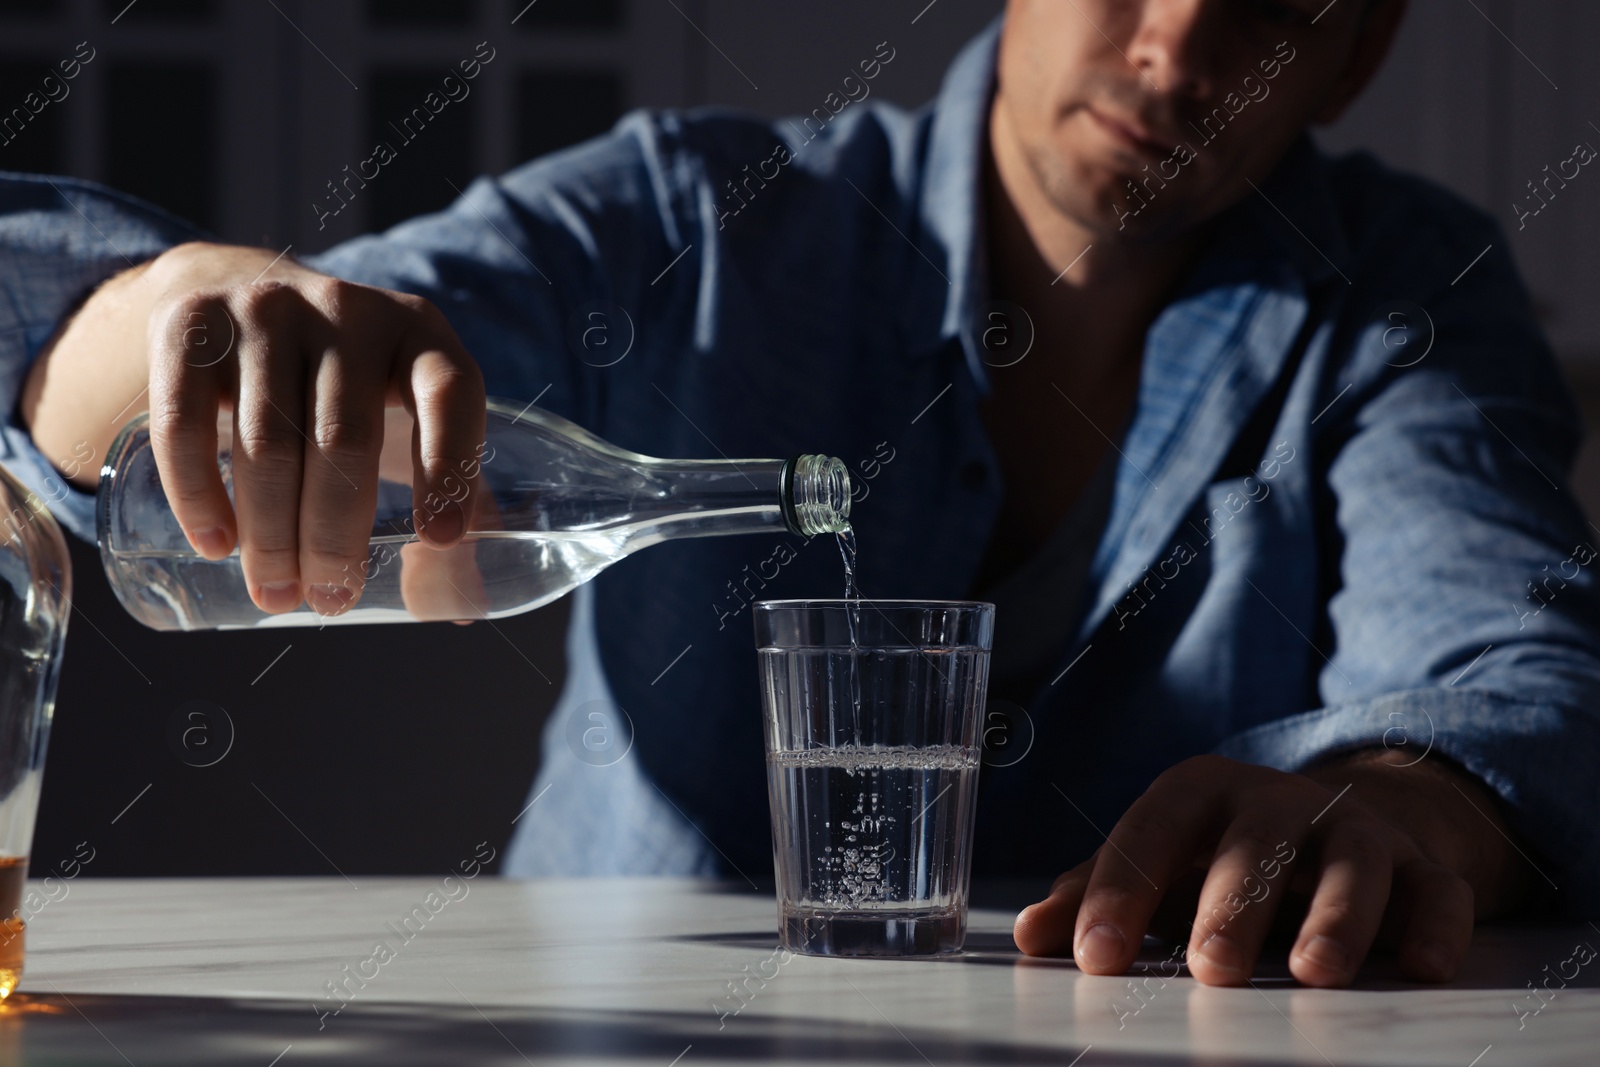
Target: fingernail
x=213 y=541
x=447 y=525
x=330 y=599
x=1436 y=960
x=1327 y=953
x=279 y=596
x=1101 y=945
x=1223 y=953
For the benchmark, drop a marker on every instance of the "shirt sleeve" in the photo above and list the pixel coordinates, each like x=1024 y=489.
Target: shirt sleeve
x=1466 y=619
x=544 y=272
x=59 y=239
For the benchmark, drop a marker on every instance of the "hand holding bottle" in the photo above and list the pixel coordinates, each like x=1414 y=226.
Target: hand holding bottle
x=307 y=365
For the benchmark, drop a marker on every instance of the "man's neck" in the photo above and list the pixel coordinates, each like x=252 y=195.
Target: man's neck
x=1090 y=313
x=1076 y=282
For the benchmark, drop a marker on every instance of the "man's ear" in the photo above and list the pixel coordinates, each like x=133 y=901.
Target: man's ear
x=1373 y=38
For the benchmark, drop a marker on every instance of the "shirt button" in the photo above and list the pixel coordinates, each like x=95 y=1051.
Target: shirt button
x=973 y=476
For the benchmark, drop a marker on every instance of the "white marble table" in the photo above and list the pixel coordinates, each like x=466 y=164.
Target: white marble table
x=223 y=972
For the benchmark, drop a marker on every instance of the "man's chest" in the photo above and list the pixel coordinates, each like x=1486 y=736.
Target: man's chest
x=1050 y=430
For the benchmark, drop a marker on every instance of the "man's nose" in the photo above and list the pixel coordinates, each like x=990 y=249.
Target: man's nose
x=1174 y=46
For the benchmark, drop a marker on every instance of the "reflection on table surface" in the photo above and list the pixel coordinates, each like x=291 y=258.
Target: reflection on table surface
x=648 y=971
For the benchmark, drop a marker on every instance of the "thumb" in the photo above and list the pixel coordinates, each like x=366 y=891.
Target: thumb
x=444 y=391
x=1046 y=928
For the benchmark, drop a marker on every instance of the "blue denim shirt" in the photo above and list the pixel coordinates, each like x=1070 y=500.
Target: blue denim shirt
x=1321 y=538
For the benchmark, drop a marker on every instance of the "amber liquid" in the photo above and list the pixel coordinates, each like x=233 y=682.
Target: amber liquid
x=13 y=875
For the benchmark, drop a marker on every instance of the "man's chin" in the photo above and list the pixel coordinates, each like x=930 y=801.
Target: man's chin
x=1114 y=217
x=1115 y=206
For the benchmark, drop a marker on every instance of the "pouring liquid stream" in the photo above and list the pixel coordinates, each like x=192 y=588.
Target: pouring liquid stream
x=852 y=594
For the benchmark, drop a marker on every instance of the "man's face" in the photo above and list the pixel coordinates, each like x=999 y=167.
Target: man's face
x=1144 y=118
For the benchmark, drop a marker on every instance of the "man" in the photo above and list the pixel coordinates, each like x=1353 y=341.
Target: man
x=1103 y=338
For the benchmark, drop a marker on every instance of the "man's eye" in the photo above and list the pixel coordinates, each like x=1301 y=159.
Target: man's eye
x=1279 y=13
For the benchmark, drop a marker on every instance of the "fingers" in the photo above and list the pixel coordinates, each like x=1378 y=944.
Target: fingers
x=1045 y=928
x=443 y=389
x=269 y=443
x=1356 y=872
x=1438 y=930
x=189 y=375
x=449 y=583
x=1370 y=878
x=1242 y=892
x=1149 y=847
x=309 y=365
x=443 y=583
x=339 y=490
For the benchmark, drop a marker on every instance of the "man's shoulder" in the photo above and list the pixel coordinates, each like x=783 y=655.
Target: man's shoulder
x=678 y=149
x=1396 y=221
x=1424 y=262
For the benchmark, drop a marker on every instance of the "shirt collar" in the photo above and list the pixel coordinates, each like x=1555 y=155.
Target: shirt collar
x=1289 y=231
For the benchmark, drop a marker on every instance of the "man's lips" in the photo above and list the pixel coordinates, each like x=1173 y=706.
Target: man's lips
x=1133 y=136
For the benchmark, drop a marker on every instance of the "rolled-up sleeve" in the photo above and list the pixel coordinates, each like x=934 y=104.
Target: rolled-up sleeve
x=59 y=238
x=1466 y=618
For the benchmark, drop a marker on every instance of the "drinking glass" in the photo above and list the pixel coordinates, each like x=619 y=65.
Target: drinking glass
x=35 y=599
x=873 y=710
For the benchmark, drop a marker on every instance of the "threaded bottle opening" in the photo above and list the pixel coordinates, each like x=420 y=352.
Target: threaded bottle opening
x=816 y=495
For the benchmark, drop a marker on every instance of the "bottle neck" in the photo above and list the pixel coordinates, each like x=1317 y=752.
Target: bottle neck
x=815 y=493
x=807 y=495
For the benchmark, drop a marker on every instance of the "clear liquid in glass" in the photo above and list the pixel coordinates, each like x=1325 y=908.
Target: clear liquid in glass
x=882 y=828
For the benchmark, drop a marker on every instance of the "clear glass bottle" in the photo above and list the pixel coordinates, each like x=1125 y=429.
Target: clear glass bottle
x=557 y=505
x=35 y=599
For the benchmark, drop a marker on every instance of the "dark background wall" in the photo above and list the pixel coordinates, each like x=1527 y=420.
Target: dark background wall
x=395 y=749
